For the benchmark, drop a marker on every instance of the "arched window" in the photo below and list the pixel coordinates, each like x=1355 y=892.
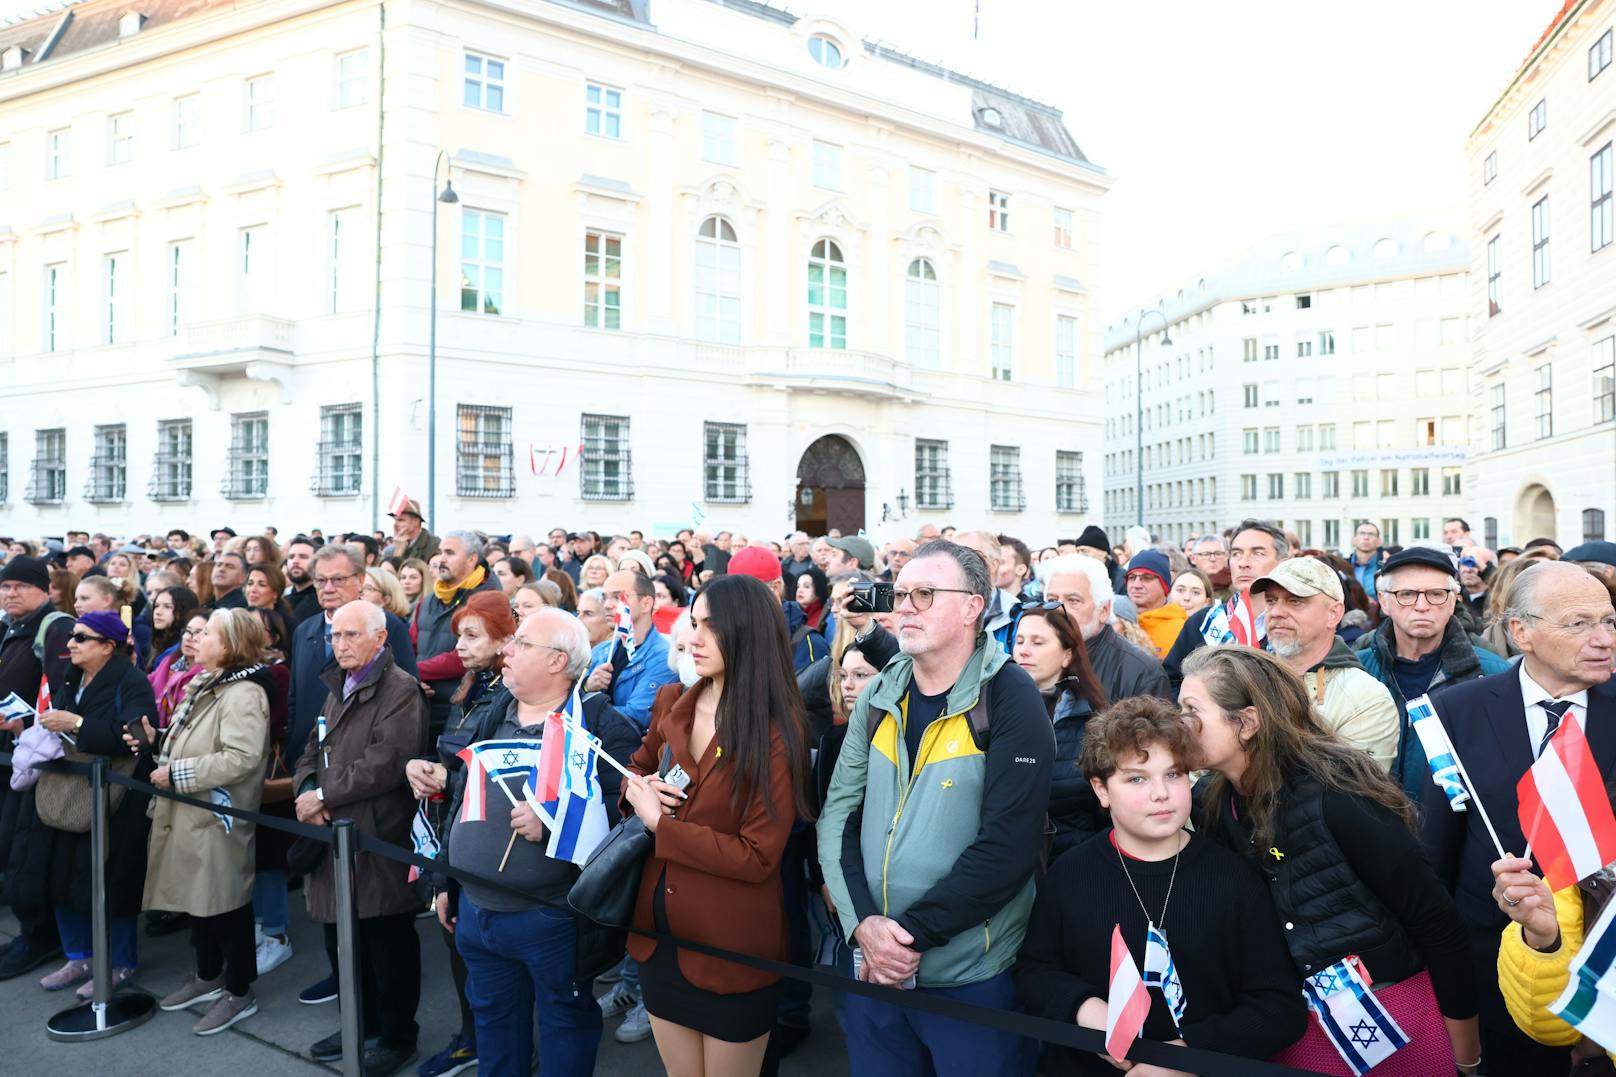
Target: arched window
x=718 y=282
x=1337 y=255
x=825 y=52
x=827 y=296
x=1386 y=248
x=922 y=315
x=1290 y=262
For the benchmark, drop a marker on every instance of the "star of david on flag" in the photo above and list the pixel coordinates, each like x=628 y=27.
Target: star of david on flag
x=1357 y=1025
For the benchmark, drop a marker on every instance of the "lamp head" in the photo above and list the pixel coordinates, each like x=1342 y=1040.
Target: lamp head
x=448 y=197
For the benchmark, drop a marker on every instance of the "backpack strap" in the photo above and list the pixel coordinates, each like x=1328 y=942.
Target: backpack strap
x=44 y=626
x=981 y=716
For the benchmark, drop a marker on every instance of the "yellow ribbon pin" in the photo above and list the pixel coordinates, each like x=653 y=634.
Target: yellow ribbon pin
x=948 y=783
x=719 y=754
x=1275 y=853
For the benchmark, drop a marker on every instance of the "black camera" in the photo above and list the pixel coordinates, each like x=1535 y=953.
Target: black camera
x=872 y=597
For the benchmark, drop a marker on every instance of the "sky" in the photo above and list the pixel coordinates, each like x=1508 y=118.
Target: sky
x=1225 y=121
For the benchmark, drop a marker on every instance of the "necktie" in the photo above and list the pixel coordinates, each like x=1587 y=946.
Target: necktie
x=328 y=651
x=1556 y=710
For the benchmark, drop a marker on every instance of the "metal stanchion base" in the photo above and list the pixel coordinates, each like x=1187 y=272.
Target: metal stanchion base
x=123 y=1012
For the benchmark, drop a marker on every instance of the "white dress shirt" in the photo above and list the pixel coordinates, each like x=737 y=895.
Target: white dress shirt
x=1537 y=719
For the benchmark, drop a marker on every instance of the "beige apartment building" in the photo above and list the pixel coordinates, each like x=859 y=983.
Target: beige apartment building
x=702 y=261
x=1543 y=290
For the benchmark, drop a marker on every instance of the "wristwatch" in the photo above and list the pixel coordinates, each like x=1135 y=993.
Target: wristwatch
x=319 y=794
x=78 y=725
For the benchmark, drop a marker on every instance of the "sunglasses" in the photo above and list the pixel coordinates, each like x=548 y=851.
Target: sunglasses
x=84 y=637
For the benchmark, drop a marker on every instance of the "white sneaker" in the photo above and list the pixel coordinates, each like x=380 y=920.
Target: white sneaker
x=636 y=1025
x=272 y=953
x=620 y=999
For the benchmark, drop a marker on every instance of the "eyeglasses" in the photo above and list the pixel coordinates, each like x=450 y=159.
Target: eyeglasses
x=527 y=645
x=922 y=597
x=1436 y=596
x=192 y=633
x=332 y=581
x=1582 y=626
x=85 y=637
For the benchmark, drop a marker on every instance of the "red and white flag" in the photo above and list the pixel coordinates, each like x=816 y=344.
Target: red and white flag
x=397 y=502
x=1128 y=1004
x=1564 y=811
x=474 y=802
x=42 y=702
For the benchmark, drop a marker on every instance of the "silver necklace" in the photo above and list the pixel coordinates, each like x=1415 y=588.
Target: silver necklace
x=1170 y=880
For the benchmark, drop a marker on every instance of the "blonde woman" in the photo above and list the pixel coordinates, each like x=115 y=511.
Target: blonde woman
x=594 y=572
x=199 y=861
x=382 y=588
x=115 y=596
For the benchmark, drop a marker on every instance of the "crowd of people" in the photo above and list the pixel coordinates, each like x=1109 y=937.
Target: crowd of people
x=952 y=765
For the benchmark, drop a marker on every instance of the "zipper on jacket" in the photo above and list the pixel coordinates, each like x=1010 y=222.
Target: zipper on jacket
x=903 y=793
x=987 y=935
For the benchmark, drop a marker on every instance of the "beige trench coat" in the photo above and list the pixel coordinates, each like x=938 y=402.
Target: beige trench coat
x=193 y=864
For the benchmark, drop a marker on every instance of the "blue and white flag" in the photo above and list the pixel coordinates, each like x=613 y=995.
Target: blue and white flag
x=1162 y=974
x=1358 y=1026
x=1439 y=754
x=222 y=798
x=1588 y=1003
x=424 y=839
x=580 y=814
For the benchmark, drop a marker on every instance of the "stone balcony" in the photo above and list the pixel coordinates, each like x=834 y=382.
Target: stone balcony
x=255 y=346
x=817 y=370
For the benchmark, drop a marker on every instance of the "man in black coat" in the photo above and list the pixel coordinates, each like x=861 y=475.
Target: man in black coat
x=1498 y=725
x=1082 y=586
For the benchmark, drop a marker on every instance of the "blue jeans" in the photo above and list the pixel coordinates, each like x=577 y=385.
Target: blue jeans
x=269 y=901
x=75 y=928
x=891 y=1041
x=513 y=959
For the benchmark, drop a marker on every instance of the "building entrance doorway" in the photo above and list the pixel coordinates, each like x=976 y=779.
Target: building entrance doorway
x=830 y=487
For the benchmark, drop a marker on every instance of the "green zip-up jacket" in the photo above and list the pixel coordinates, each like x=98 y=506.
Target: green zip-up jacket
x=947 y=844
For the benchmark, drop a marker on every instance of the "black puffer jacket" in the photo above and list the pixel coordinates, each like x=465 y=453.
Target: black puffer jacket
x=1073 y=807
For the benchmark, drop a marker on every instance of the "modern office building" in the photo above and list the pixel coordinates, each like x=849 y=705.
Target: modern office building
x=1316 y=379
x=1543 y=290
x=694 y=260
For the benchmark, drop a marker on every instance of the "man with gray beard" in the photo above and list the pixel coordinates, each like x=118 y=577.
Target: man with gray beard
x=1305 y=604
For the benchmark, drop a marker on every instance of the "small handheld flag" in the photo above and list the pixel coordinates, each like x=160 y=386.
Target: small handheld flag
x=423 y=838
x=1439 y=753
x=1357 y=1025
x=1588 y=1003
x=222 y=797
x=1564 y=811
x=1128 y=1003
x=1162 y=974
x=43 y=700
x=623 y=629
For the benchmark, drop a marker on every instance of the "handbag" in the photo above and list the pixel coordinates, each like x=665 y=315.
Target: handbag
x=609 y=884
x=62 y=801
x=278 y=782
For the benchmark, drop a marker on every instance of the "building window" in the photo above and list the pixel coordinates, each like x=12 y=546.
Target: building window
x=254 y=268
x=1540 y=242
x=1304 y=349
x=1388 y=530
x=59 y=154
x=1327 y=342
x=109 y=470
x=1543 y=401
x=1360 y=483
x=1270 y=352
x=725 y=463
x=484 y=86
x=1489 y=168
x=922 y=315
x=1495 y=272
x=340 y=455
x=482 y=261
x=1604 y=364
x=1276 y=486
x=176 y=274
x=1248 y=350
x=1332 y=484
x=1598 y=60
x=1070 y=487
x=827 y=166
x=933 y=490
x=1419 y=481
x=345 y=260
x=922 y=190
x=1497 y=410
x=1304 y=439
x=55 y=306
x=1270 y=439
x=1489 y=532
x=171 y=467
x=246 y=475
x=827 y=296
x=260 y=102
x=1593 y=520
x=603 y=280
x=1452 y=481
x=1303 y=481
x=187 y=120
x=607 y=474
x=5 y=166
x=998 y=211
x=718 y=282
x=1003 y=343
x=48 y=485
x=1537 y=119
x=1304 y=301
x=1420 y=528
x=1004 y=479
x=353 y=78
x=1599 y=195
x=1065 y=351
x=1326 y=437
x=719 y=139
x=5 y=469
x=825 y=52
x=1270 y=394
x=1388 y=482
x=1248 y=487
x=1063 y=228
x=121 y=138
x=1249 y=394
x=116 y=283
x=483 y=452
x=603 y=111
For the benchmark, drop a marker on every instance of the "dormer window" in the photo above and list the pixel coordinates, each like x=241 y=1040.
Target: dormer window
x=13 y=58
x=129 y=23
x=825 y=52
x=991 y=117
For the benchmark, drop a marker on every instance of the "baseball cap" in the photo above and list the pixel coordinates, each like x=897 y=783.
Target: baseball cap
x=1303 y=577
x=755 y=561
x=1423 y=556
x=857 y=547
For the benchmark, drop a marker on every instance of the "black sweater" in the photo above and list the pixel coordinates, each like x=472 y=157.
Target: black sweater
x=1242 y=995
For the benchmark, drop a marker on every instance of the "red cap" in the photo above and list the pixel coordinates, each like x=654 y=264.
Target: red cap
x=755 y=561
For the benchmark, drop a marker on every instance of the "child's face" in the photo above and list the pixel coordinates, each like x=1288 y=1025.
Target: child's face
x=1148 y=795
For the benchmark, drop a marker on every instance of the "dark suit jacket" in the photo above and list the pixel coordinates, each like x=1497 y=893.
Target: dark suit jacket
x=1486 y=723
x=308 y=662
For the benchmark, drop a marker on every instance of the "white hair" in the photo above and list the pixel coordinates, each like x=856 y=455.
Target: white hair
x=566 y=633
x=1077 y=564
x=375 y=617
x=680 y=624
x=470 y=539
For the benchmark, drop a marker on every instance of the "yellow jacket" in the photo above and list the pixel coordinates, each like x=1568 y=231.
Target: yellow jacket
x=1162 y=625
x=1531 y=980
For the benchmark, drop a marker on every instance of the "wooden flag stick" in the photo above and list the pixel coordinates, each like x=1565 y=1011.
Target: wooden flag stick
x=508 y=847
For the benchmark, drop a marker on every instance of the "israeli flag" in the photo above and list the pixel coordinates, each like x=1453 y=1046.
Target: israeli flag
x=222 y=798
x=1439 y=754
x=1359 y=1028
x=1162 y=974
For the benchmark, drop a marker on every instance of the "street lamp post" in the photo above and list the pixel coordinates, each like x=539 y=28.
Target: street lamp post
x=1139 y=407
x=447 y=197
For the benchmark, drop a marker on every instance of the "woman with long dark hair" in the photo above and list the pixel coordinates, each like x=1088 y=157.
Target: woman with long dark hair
x=713 y=876
x=1334 y=837
x=171 y=608
x=1050 y=648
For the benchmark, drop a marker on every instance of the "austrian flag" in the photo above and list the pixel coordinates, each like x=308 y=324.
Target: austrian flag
x=1564 y=811
x=1128 y=1004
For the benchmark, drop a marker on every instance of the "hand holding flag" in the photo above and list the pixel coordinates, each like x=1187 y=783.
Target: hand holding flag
x=1128 y=1003
x=623 y=629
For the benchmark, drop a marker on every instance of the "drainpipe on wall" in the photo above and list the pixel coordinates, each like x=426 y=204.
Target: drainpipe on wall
x=376 y=315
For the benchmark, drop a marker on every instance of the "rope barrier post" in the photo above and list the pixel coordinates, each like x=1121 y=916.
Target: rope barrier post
x=353 y=1035
x=106 y=1014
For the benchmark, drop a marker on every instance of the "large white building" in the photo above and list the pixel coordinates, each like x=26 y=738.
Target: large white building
x=1543 y=289
x=706 y=259
x=1316 y=379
